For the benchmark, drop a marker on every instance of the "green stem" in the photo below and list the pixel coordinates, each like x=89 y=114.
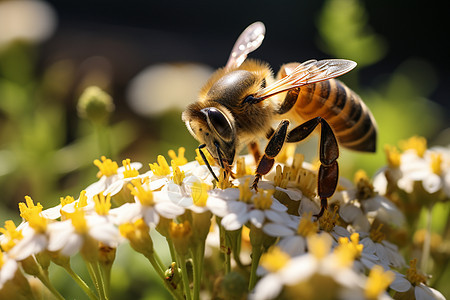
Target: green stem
x=156 y=264
x=171 y=249
x=102 y=288
x=81 y=283
x=198 y=255
x=184 y=276
x=102 y=134
x=44 y=279
x=427 y=241
x=256 y=255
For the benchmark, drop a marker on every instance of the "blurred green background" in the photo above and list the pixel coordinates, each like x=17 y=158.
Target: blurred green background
x=153 y=57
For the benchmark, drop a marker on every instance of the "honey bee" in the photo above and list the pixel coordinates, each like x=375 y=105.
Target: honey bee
x=241 y=101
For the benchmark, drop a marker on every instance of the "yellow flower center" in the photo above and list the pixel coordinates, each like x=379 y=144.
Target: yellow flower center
x=263 y=199
x=245 y=193
x=178 y=175
x=11 y=234
x=82 y=201
x=129 y=171
x=224 y=180
x=107 y=167
x=78 y=220
x=138 y=233
x=329 y=220
x=393 y=156
x=377 y=282
x=199 y=193
x=306 y=227
x=306 y=181
x=348 y=250
x=179 y=231
x=364 y=187
x=66 y=200
x=179 y=159
x=319 y=245
x=413 y=275
x=377 y=235
x=2 y=259
x=32 y=214
x=286 y=152
x=161 y=167
x=241 y=169
x=208 y=156
x=274 y=259
x=436 y=162
x=102 y=204
x=144 y=196
x=417 y=143
x=281 y=178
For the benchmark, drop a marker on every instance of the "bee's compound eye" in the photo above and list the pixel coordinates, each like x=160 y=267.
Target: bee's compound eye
x=220 y=123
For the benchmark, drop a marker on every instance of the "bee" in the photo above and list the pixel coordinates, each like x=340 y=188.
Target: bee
x=239 y=103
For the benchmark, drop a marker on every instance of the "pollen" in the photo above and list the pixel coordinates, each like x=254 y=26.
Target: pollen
x=66 y=200
x=180 y=231
x=417 y=143
x=274 y=259
x=377 y=235
x=129 y=171
x=32 y=214
x=161 y=168
x=319 y=245
x=208 y=156
x=364 y=186
x=348 y=250
x=2 y=259
x=306 y=227
x=263 y=199
x=328 y=221
x=144 y=196
x=224 y=180
x=179 y=159
x=82 y=201
x=377 y=282
x=392 y=156
x=241 y=168
x=78 y=221
x=178 y=175
x=436 y=163
x=282 y=176
x=306 y=181
x=102 y=204
x=11 y=235
x=199 y=193
x=286 y=152
x=245 y=193
x=413 y=275
x=106 y=166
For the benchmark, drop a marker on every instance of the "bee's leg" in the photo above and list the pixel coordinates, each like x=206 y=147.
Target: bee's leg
x=328 y=154
x=274 y=146
x=253 y=148
x=288 y=102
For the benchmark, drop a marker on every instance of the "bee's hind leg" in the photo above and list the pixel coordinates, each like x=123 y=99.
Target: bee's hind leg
x=328 y=154
x=273 y=147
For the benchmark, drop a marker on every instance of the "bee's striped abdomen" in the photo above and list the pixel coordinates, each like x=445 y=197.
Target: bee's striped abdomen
x=351 y=120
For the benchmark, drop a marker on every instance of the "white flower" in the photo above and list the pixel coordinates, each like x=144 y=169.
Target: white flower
x=69 y=236
x=421 y=291
x=8 y=268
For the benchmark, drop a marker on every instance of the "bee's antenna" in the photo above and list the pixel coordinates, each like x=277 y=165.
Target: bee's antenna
x=206 y=161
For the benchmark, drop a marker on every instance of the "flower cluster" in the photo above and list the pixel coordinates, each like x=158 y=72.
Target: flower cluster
x=263 y=244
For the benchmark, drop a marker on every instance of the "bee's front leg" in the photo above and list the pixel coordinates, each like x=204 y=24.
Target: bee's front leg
x=274 y=146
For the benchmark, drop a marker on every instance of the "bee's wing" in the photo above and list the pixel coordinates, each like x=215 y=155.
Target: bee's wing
x=310 y=71
x=249 y=40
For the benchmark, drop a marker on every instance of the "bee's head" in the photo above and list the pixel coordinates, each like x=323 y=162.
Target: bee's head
x=213 y=126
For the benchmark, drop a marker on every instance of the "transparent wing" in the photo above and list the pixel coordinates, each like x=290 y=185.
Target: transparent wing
x=249 y=40
x=310 y=71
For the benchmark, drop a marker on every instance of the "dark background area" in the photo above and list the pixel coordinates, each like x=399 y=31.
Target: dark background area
x=134 y=34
